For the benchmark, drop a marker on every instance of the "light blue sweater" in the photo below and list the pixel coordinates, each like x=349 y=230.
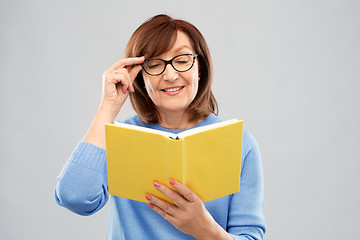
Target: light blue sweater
x=82 y=188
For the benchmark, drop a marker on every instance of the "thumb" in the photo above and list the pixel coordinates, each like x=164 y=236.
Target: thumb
x=134 y=72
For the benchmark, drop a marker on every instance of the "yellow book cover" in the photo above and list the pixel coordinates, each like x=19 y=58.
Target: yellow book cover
x=206 y=159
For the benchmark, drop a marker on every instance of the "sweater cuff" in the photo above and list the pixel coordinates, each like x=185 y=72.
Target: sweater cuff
x=90 y=156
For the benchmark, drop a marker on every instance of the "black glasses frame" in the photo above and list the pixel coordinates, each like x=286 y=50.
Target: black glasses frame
x=170 y=62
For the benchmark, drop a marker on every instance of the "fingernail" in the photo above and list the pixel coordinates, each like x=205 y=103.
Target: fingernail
x=150 y=205
x=148 y=197
x=156 y=184
x=172 y=182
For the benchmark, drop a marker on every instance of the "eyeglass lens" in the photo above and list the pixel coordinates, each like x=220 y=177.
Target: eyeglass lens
x=180 y=63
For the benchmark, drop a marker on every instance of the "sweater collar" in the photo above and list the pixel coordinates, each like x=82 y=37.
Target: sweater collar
x=209 y=120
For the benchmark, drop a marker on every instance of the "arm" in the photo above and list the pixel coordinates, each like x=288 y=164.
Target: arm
x=246 y=213
x=82 y=184
x=115 y=93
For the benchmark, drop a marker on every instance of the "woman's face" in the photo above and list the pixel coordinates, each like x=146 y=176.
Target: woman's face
x=173 y=91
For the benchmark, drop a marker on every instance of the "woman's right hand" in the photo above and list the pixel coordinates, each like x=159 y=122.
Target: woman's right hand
x=117 y=81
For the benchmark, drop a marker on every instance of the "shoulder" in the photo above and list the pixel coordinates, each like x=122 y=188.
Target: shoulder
x=249 y=145
x=211 y=119
x=249 y=139
x=134 y=120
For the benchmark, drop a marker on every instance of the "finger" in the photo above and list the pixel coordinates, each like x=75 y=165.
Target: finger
x=128 y=62
x=124 y=79
x=112 y=77
x=124 y=88
x=120 y=79
x=165 y=206
x=175 y=197
x=130 y=80
x=134 y=72
x=186 y=192
x=164 y=214
x=130 y=76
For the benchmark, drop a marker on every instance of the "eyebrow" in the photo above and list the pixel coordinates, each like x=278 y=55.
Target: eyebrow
x=182 y=47
x=177 y=50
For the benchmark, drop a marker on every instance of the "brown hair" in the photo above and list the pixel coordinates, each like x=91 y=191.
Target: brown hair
x=157 y=36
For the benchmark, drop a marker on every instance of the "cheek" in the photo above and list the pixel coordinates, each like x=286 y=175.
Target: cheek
x=195 y=76
x=195 y=73
x=149 y=87
x=194 y=81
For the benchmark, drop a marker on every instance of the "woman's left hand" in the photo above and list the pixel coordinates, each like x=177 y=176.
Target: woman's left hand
x=188 y=213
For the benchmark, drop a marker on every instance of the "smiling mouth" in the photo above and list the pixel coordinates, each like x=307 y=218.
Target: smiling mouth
x=174 y=89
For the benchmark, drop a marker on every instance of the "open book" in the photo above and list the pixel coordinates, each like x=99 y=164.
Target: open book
x=206 y=159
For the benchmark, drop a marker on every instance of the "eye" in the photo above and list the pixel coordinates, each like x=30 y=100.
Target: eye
x=182 y=60
x=151 y=66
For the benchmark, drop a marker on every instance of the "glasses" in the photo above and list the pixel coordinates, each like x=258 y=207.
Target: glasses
x=181 y=63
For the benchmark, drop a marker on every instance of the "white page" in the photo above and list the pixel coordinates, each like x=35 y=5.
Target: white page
x=204 y=128
x=145 y=129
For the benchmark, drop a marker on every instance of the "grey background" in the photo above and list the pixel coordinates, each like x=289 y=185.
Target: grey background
x=290 y=69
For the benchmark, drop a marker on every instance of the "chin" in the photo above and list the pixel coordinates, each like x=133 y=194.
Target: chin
x=175 y=107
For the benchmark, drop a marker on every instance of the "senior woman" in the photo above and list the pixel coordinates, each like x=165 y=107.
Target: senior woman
x=167 y=73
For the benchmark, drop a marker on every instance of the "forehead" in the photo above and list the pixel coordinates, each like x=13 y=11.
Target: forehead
x=183 y=44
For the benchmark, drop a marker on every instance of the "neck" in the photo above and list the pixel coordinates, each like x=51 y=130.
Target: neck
x=177 y=120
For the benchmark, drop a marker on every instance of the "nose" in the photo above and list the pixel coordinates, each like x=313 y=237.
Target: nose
x=170 y=74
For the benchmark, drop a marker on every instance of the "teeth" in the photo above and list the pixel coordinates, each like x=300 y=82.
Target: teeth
x=172 y=89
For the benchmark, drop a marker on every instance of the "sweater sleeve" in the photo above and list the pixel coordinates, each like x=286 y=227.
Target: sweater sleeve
x=246 y=214
x=82 y=184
